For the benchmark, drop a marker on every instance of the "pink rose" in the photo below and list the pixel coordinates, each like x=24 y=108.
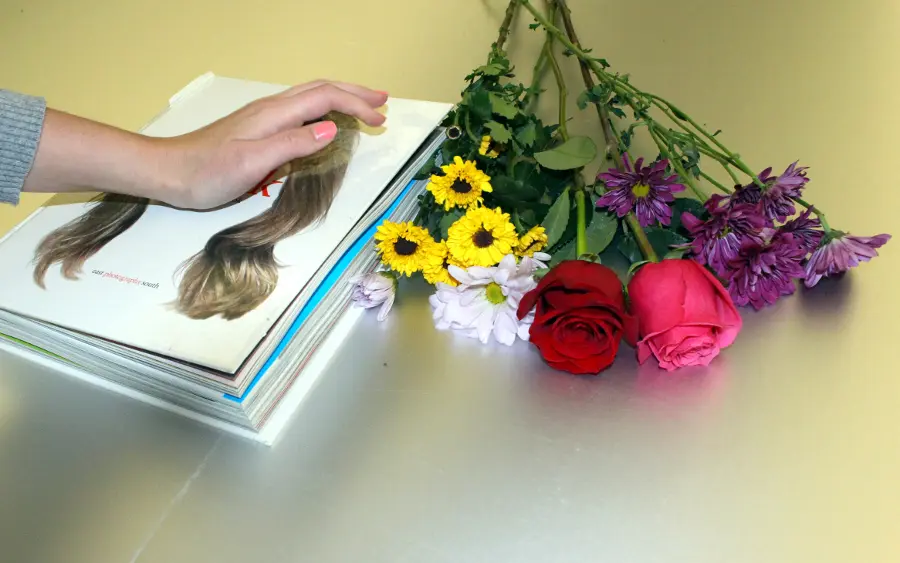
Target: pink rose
x=685 y=316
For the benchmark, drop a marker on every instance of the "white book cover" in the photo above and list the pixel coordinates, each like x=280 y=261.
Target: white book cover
x=125 y=291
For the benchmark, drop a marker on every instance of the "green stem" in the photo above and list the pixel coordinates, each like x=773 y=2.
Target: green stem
x=581 y=227
x=640 y=237
x=825 y=226
x=610 y=136
x=563 y=91
x=507 y=21
x=715 y=183
x=537 y=75
x=624 y=88
x=675 y=160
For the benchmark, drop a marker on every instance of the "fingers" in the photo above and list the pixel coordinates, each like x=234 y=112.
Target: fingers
x=314 y=103
x=374 y=98
x=294 y=143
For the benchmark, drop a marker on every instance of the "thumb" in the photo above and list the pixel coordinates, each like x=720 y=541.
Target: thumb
x=297 y=143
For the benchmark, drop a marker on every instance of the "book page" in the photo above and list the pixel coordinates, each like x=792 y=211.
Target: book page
x=126 y=291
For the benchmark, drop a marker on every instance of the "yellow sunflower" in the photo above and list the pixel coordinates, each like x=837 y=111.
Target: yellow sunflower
x=533 y=241
x=485 y=148
x=461 y=185
x=481 y=237
x=403 y=246
x=434 y=269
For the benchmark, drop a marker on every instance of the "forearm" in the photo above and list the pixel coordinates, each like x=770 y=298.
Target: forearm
x=76 y=154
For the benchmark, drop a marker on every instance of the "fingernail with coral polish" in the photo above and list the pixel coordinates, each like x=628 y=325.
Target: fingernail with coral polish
x=324 y=130
x=382 y=92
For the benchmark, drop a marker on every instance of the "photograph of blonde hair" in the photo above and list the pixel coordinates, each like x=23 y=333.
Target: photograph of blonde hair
x=73 y=243
x=236 y=270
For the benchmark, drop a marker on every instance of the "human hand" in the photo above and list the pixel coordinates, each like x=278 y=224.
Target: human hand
x=205 y=168
x=220 y=162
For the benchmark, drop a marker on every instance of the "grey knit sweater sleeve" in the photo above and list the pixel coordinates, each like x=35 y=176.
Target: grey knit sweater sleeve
x=21 y=122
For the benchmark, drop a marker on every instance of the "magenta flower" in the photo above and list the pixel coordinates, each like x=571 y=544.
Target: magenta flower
x=718 y=240
x=806 y=230
x=839 y=253
x=776 y=202
x=761 y=273
x=646 y=190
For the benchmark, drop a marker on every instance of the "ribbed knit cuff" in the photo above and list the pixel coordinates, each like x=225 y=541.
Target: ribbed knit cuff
x=21 y=122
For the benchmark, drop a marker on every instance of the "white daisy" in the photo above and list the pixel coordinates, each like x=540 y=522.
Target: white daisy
x=485 y=301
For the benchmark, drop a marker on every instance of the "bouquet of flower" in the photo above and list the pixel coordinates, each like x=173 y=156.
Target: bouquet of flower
x=518 y=245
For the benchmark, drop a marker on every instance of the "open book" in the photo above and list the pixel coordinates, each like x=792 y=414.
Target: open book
x=120 y=315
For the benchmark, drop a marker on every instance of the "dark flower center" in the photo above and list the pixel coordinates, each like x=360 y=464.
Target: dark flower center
x=405 y=247
x=483 y=238
x=461 y=186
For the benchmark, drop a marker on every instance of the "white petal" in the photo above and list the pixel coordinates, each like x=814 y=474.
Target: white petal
x=386 y=308
x=523 y=331
x=460 y=275
x=485 y=325
x=505 y=328
x=481 y=274
x=470 y=296
x=508 y=263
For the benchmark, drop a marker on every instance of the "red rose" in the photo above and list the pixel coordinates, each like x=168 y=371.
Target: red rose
x=684 y=314
x=579 y=318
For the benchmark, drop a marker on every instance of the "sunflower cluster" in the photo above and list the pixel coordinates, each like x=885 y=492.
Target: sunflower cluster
x=481 y=236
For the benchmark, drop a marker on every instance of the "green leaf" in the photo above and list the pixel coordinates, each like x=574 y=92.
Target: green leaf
x=633 y=268
x=630 y=250
x=502 y=107
x=682 y=204
x=567 y=252
x=675 y=254
x=573 y=153
x=517 y=223
x=597 y=94
x=492 y=69
x=427 y=169
x=447 y=222
x=529 y=218
x=499 y=132
x=527 y=134
x=678 y=113
x=433 y=224
x=600 y=233
x=480 y=104
x=660 y=239
x=513 y=190
x=557 y=218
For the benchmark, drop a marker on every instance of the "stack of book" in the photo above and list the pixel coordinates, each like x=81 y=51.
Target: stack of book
x=112 y=318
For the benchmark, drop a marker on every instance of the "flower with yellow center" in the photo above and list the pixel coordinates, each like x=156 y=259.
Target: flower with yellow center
x=481 y=237
x=434 y=268
x=533 y=241
x=403 y=247
x=462 y=185
x=485 y=148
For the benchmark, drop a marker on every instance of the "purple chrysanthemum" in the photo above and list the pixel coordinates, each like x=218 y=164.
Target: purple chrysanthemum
x=776 y=202
x=839 y=253
x=646 y=190
x=760 y=274
x=806 y=230
x=718 y=240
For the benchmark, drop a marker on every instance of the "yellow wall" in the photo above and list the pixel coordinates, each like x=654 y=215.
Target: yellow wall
x=807 y=79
